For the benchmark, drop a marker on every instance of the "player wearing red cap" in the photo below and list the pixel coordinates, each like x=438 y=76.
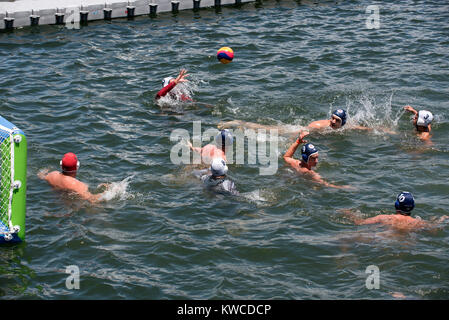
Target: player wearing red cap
x=168 y=85
x=66 y=179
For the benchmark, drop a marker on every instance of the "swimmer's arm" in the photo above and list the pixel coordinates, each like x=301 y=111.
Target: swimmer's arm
x=384 y=129
x=360 y=221
x=195 y=149
x=361 y=128
x=288 y=156
x=373 y=220
x=170 y=86
x=43 y=174
x=410 y=109
x=317 y=178
x=82 y=190
x=248 y=125
x=165 y=90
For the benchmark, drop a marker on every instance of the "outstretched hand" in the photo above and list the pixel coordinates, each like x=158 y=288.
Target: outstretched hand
x=42 y=174
x=181 y=76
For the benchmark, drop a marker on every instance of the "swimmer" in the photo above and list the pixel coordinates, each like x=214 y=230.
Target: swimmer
x=402 y=219
x=169 y=83
x=336 y=121
x=217 y=180
x=66 y=180
x=309 y=159
x=421 y=121
x=223 y=140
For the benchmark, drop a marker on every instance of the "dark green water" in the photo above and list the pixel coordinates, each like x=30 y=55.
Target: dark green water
x=161 y=236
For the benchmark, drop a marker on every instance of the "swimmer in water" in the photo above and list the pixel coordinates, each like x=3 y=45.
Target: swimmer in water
x=402 y=219
x=309 y=159
x=336 y=121
x=216 y=179
x=223 y=140
x=66 y=179
x=169 y=83
x=421 y=121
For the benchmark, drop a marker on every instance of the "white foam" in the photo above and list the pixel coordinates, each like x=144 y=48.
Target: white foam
x=117 y=190
x=372 y=110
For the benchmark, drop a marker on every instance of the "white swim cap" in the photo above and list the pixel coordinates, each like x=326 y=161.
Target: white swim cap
x=166 y=81
x=424 y=118
x=218 y=167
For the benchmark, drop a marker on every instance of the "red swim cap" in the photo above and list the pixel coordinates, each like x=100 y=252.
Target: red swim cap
x=69 y=162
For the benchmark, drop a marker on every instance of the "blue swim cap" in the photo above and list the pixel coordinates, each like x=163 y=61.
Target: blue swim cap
x=341 y=114
x=405 y=202
x=224 y=139
x=307 y=150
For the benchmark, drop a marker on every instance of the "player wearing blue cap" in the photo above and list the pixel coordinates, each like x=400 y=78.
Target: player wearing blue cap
x=223 y=141
x=337 y=120
x=404 y=205
x=309 y=159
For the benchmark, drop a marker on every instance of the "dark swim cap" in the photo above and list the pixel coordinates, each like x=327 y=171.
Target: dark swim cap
x=224 y=139
x=405 y=202
x=340 y=113
x=307 y=150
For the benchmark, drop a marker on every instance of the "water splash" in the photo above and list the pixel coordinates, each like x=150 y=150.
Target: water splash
x=372 y=110
x=117 y=190
x=256 y=197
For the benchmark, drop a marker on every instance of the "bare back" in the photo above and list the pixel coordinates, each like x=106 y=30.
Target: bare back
x=209 y=152
x=398 y=221
x=63 y=182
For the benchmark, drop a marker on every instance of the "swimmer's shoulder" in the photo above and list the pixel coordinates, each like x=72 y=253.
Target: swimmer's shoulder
x=53 y=177
x=319 y=124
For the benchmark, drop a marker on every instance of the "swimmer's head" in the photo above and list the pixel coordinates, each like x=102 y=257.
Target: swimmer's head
x=338 y=118
x=218 y=167
x=167 y=81
x=224 y=139
x=309 y=154
x=69 y=164
x=404 y=203
x=423 y=118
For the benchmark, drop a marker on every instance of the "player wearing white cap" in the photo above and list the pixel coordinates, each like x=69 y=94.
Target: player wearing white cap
x=421 y=121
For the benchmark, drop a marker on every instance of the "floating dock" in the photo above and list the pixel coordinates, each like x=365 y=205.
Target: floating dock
x=23 y=13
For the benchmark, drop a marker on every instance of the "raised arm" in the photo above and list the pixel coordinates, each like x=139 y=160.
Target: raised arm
x=172 y=84
x=288 y=156
x=410 y=109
